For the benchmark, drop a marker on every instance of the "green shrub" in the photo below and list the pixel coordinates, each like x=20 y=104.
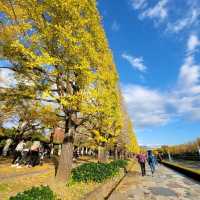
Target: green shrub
x=97 y=172
x=2 y=143
x=120 y=163
x=35 y=193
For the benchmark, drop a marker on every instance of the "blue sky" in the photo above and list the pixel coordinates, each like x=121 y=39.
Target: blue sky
x=156 y=46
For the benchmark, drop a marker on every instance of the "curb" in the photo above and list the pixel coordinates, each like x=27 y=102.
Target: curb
x=116 y=185
x=183 y=170
x=105 y=189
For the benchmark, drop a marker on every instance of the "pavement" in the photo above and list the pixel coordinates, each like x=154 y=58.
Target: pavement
x=166 y=184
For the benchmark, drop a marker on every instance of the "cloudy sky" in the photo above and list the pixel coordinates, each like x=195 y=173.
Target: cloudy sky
x=156 y=46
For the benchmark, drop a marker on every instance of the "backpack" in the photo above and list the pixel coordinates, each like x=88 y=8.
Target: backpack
x=141 y=158
x=150 y=159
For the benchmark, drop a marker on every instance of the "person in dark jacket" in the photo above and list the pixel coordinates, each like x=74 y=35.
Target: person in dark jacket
x=34 y=155
x=151 y=161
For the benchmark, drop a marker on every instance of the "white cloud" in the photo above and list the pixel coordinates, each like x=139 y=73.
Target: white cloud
x=149 y=107
x=11 y=122
x=136 y=62
x=188 y=107
x=186 y=98
x=189 y=76
x=159 y=11
x=193 y=43
x=175 y=18
x=6 y=78
x=138 y=4
x=145 y=106
x=115 y=26
x=190 y=18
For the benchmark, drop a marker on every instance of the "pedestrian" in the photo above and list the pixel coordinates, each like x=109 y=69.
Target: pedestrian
x=6 y=147
x=142 y=160
x=18 y=153
x=26 y=153
x=34 y=155
x=42 y=154
x=151 y=161
x=159 y=158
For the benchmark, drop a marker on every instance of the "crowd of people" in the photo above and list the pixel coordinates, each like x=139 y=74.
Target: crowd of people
x=31 y=153
x=27 y=153
x=149 y=158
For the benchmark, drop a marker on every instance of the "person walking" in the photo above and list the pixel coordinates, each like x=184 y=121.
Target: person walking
x=18 y=153
x=142 y=160
x=7 y=146
x=26 y=153
x=34 y=157
x=159 y=158
x=151 y=161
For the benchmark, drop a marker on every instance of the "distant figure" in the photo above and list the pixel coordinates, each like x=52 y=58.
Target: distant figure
x=42 y=154
x=18 y=153
x=159 y=157
x=34 y=157
x=142 y=160
x=169 y=156
x=51 y=150
x=199 y=150
x=6 y=147
x=59 y=149
x=151 y=161
x=26 y=153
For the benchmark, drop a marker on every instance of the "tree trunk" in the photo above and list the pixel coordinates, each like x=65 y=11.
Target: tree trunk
x=65 y=162
x=125 y=155
x=101 y=154
x=66 y=157
x=115 y=153
x=122 y=155
x=86 y=151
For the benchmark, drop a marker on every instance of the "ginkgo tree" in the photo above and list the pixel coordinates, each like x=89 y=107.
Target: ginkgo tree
x=57 y=50
x=132 y=145
x=126 y=141
x=107 y=121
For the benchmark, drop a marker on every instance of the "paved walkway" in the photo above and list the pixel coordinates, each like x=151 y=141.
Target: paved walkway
x=38 y=172
x=164 y=185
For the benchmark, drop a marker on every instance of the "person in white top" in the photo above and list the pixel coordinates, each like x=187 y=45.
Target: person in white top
x=18 y=153
x=7 y=146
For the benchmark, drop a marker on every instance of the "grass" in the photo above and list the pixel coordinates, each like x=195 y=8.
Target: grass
x=72 y=192
x=11 y=186
x=4 y=187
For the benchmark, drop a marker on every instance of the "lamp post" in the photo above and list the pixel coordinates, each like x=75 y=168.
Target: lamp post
x=169 y=156
x=198 y=149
